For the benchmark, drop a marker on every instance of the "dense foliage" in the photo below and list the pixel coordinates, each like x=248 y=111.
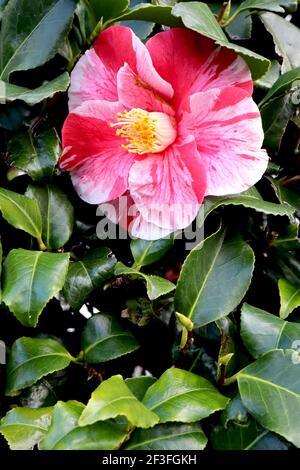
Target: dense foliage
x=96 y=356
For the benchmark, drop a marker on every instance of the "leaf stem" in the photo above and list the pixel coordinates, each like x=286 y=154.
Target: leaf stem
x=231 y=379
x=42 y=245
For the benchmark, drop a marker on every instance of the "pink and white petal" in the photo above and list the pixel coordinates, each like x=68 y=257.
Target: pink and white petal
x=193 y=63
x=118 y=45
x=95 y=74
x=124 y=212
x=227 y=127
x=134 y=93
x=141 y=228
x=168 y=188
x=92 y=152
x=91 y=80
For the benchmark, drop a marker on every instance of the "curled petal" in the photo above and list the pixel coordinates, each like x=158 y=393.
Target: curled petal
x=95 y=75
x=134 y=93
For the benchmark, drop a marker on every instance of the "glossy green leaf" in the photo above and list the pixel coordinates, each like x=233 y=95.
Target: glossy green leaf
x=30 y=280
x=36 y=36
x=37 y=156
x=10 y=92
x=275 y=115
x=108 y=9
x=284 y=83
x=199 y=17
x=286 y=37
x=214 y=279
x=139 y=385
x=278 y=6
x=32 y=358
x=289 y=297
x=57 y=214
x=239 y=431
x=147 y=12
x=269 y=79
x=65 y=433
x=88 y=274
x=23 y=428
x=261 y=331
x=147 y=252
x=179 y=395
x=113 y=398
x=104 y=339
x=250 y=199
x=241 y=27
x=156 y=286
x=270 y=390
x=21 y=212
x=171 y=436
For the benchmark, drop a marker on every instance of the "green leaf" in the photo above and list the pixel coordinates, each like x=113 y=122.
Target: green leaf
x=23 y=428
x=108 y=9
x=199 y=17
x=270 y=390
x=37 y=156
x=57 y=214
x=241 y=27
x=289 y=297
x=269 y=79
x=10 y=92
x=156 y=286
x=179 y=395
x=36 y=36
x=214 y=279
x=238 y=431
x=250 y=199
x=21 y=212
x=88 y=274
x=275 y=115
x=269 y=5
x=139 y=385
x=172 y=436
x=261 y=331
x=104 y=339
x=113 y=398
x=286 y=37
x=32 y=358
x=282 y=85
x=65 y=433
x=30 y=280
x=147 y=12
x=147 y=252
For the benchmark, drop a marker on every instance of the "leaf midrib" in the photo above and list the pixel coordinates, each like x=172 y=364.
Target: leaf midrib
x=96 y=343
x=35 y=358
x=192 y=309
x=186 y=392
x=166 y=436
x=44 y=18
x=267 y=382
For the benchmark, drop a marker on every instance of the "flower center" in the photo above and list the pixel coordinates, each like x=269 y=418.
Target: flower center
x=145 y=132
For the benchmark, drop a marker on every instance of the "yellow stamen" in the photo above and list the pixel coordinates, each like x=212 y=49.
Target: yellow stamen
x=145 y=132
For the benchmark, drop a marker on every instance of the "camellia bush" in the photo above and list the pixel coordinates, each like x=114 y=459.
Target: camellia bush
x=149 y=199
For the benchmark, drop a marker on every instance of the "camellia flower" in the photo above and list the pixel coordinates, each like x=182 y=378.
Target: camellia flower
x=164 y=123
